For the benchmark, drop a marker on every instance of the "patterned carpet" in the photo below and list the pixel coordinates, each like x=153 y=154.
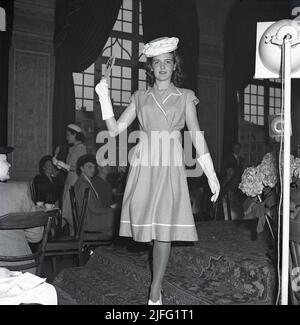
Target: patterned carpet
x=224 y=267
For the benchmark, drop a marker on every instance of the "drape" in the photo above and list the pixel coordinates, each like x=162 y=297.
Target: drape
x=82 y=28
x=240 y=47
x=175 y=18
x=5 y=40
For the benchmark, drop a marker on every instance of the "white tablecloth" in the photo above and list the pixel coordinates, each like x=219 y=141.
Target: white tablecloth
x=17 y=288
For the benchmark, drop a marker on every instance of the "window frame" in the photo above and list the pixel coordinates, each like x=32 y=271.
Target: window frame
x=135 y=64
x=252 y=146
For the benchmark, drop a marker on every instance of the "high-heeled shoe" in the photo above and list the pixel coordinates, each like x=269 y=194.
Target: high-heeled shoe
x=158 y=302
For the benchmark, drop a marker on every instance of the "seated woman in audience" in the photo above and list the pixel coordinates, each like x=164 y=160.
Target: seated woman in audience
x=48 y=185
x=103 y=186
x=15 y=197
x=100 y=217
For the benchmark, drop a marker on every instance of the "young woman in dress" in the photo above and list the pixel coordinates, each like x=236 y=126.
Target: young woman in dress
x=75 y=139
x=156 y=205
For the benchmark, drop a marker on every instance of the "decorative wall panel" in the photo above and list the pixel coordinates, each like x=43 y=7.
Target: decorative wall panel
x=31 y=109
x=31 y=85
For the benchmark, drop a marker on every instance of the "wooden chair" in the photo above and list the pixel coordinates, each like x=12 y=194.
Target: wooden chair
x=294 y=262
x=90 y=238
x=25 y=220
x=32 y=191
x=72 y=245
x=100 y=238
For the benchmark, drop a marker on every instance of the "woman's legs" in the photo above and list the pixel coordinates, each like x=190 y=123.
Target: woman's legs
x=161 y=253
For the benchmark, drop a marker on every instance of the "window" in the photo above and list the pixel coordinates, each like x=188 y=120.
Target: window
x=254 y=104
x=256 y=108
x=259 y=100
x=128 y=74
x=84 y=89
x=126 y=44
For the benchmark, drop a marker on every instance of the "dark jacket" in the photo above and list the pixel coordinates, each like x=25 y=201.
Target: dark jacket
x=47 y=191
x=99 y=217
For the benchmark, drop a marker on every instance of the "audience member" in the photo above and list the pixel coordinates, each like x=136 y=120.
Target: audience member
x=48 y=185
x=235 y=162
x=103 y=186
x=100 y=217
x=231 y=197
x=115 y=176
x=15 y=197
x=75 y=139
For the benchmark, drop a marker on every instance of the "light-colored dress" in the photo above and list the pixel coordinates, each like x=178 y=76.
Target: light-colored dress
x=156 y=203
x=73 y=155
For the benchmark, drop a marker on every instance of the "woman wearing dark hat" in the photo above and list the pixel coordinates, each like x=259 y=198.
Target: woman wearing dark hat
x=75 y=139
x=156 y=205
x=100 y=217
x=47 y=186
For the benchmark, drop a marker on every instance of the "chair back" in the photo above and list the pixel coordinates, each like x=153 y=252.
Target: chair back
x=79 y=217
x=83 y=214
x=74 y=208
x=32 y=191
x=294 y=262
x=25 y=220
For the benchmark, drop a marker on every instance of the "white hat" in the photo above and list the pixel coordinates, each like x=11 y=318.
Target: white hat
x=75 y=128
x=160 y=46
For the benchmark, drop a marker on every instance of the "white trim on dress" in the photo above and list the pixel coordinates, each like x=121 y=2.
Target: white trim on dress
x=156 y=224
x=158 y=104
x=178 y=94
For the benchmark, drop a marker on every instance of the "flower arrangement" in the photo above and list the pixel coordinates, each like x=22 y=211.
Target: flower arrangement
x=294 y=167
x=295 y=188
x=254 y=179
x=258 y=183
x=251 y=183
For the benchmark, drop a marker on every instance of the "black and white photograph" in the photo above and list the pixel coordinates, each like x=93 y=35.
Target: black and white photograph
x=149 y=155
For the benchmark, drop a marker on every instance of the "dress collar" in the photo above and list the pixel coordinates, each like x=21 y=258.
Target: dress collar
x=170 y=91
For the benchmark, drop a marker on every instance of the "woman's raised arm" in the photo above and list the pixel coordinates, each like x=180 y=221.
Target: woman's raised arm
x=114 y=126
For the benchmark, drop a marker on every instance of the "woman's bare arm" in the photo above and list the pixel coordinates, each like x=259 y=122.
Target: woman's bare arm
x=192 y=123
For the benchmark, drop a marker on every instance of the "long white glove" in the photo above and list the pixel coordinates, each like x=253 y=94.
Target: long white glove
x=207 y=165
x=105 y=102
x=60 y=164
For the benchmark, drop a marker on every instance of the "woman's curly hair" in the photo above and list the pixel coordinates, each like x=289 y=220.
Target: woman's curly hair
x=177 y=76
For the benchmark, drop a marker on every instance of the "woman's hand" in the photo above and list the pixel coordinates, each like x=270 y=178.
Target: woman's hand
x=206 y=164
x=106 y=106
x=214 y=185
x=54 y=161
x=102 y=89
x=62 y=165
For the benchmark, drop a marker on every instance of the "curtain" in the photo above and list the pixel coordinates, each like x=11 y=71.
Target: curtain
x=5 y=40
x=179 y=19
x=240 y=48
x=82 y=28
